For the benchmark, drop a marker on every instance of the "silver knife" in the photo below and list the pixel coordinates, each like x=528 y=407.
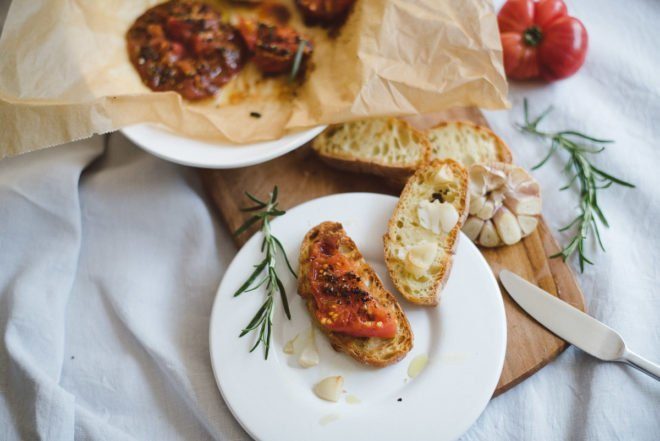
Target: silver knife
x=573 y=325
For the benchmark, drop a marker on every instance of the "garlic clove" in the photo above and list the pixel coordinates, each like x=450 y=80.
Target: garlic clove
x=329 y=388
x=507 y=226
x=489 y=236
x=309 y=356
x=518 y=176
x=448 y=217
x=529 y=188
x=437 y=216
x=495 y=179
x=472 y=227
x=289 y=347
x=497 y=196
x=420 y=257
x=487 y=210
x=527 y=224
x=476 y=203
x=520 y=204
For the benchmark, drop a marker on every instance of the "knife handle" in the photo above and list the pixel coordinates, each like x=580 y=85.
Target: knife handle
x=640 y=363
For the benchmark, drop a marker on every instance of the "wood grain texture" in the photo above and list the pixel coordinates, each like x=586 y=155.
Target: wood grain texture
x=301 y=176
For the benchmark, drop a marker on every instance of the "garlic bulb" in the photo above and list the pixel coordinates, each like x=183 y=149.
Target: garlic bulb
x=505 y=204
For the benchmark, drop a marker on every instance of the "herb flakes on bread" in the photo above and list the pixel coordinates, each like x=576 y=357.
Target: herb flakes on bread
x=386 y=147
x=348 y=301
x=423 y=231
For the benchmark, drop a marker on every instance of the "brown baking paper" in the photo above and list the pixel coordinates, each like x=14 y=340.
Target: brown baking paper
x=65 y=73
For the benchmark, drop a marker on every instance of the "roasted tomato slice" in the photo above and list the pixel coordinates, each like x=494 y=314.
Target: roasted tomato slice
x=343 y=301
x=274 y=47
x=325 y=11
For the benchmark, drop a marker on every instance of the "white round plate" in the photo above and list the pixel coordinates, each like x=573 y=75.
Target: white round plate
x=464 y=339
x=168 y=145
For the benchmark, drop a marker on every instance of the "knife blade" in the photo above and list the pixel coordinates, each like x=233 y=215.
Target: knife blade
x=573 y=325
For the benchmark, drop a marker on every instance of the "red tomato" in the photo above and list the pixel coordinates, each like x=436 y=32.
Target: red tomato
x=540 y=40
x=343 y=301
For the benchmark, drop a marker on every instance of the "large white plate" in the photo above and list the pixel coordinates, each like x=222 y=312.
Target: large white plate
x=464 y=338
x=198 y=153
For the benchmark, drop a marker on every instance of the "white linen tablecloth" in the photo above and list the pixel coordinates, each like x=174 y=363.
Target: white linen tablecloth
x=110 y=259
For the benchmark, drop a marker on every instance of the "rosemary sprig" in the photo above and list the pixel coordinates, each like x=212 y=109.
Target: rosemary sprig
x=262 y=322
x=297 y=60
x=582 y=171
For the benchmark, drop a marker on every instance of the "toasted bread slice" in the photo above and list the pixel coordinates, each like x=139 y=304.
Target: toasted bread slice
x=386 y=147
x=423 y=231
x=372 y=351
x=467 y=143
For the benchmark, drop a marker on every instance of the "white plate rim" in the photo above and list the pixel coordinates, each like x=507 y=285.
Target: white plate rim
x=159 y=141
x=214 y=314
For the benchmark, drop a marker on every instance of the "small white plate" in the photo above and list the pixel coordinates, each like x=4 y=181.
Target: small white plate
x=464 y=338
x=168 y=145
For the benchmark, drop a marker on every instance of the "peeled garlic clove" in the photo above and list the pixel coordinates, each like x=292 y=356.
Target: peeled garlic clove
x=289 y=347
x=507 y=226
x=526 y=205
x=472 y=227
x=487 y=210
x=420 y=257
x=448 y=217
x=330 y=388
x=437 y=216
x=527 y=224
x=476 y=203
x=309 y=356
x=489 y=236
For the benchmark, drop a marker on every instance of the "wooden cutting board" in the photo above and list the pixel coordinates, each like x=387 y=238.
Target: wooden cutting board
x=300 y=177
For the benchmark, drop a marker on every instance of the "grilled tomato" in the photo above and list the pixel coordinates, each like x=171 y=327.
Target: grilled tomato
x=343 y=301
x=185 y=47
x=274 y=46
x=324 y=11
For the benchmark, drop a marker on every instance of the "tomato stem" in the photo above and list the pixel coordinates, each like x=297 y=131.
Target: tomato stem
x=533 y=36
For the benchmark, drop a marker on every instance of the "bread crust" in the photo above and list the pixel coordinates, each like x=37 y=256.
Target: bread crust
x=376 y=165
x=449 y=244
x=372 y=351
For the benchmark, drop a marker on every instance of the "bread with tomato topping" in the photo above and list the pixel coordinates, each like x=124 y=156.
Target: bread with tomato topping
x=423 y=231
x=386 y=147
x=373 y=351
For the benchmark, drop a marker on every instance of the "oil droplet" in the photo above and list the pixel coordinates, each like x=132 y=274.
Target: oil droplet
x=417 y=365
x=352 y=399
x=327 y=419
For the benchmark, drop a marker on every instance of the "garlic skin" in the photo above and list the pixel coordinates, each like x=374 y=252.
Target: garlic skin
x=505 y=204
x=329 y=388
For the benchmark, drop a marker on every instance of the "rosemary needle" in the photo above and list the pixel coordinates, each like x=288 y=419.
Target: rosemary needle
x=271 y=247
x=589 y=178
